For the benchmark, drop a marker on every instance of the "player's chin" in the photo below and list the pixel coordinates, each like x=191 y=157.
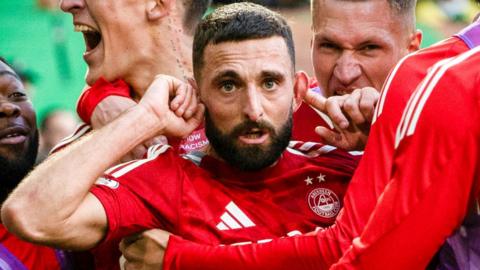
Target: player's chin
x=92 y=76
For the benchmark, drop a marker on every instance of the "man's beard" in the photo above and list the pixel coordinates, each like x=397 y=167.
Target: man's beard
x=12 y=171
x=253 y=157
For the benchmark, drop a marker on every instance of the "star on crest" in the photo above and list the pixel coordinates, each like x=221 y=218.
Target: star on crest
x=309 y=180
x=321 y=178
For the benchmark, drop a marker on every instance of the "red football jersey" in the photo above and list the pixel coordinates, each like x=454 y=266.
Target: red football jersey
x=322 y=249
x=306 y=119
x=214 y=203
x=17 y=254
x=434 y=175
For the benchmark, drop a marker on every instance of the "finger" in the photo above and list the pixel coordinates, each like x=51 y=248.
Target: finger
x=122 y=246
x=316 y=100
x=192 y=107
x=197 y=118
x=368 y=102
x=329 y=136
x=160 y=237
x=186 y=102
x=133 y=251
x=159 y=140
x=351 y=107
x=333 y=108
x=126 y=158
x=128 y=240
x=181 y=94
x=138 y=152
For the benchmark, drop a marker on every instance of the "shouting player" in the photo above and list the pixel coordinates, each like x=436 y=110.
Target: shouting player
x=248 y=187
x=353 y=49
x=127 y=44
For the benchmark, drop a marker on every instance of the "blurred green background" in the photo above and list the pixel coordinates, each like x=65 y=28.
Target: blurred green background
x=42 y=45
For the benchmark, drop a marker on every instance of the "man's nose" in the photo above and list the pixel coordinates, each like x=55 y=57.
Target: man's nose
x=347 y=69
x=8 y=109
x=253 y=108
x=72 y=6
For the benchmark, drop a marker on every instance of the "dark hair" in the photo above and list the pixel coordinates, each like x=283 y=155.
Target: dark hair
x=399 y=6
x=194 y=11
x=239 y=22
x=13 y=72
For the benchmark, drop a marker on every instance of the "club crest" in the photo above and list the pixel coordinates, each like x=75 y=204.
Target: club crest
x=324 y=202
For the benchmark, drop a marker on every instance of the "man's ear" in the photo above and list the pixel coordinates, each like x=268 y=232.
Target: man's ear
x=300 y=88
x=157 y=9
x=194 y=84
x=415 y=41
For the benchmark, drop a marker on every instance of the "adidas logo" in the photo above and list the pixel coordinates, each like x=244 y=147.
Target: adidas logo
x=234 y=218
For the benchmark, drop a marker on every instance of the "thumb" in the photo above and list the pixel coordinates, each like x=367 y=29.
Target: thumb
x=197 y=118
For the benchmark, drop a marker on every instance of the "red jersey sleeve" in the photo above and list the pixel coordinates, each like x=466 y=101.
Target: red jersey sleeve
x=433 y=174
x=129 y=192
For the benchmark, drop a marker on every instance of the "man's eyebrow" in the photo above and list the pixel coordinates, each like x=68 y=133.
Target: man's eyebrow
x=226 y=74
x=273 y=73
x=8 y=72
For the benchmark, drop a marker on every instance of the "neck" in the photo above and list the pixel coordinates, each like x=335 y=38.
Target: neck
x=172 y=55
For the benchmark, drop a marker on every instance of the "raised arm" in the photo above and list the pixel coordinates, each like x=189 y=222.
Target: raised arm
x=53 y=205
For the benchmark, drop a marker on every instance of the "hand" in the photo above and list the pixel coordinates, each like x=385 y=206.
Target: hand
x=351 y=115
x=145 y=250
x=109 y=109
x=112 y=106
x=174 y=104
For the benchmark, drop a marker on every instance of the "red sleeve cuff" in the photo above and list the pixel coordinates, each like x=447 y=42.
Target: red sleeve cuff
x=91 y=97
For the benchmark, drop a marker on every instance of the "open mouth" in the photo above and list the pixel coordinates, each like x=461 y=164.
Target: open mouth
x=91 y=36
x=254 y=136
x=253 y=133
x=13 y=135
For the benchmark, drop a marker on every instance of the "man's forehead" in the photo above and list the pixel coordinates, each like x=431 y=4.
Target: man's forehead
x=354 y=35
x=350 y=23
x=273 y=51
x=352 y=11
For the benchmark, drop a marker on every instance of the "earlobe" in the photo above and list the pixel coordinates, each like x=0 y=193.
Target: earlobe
x=300 y=88
x=157 y=9
x=415 y=41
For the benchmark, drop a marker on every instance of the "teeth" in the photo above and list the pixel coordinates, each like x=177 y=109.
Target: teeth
x=83 y=28
x=12 y=135
x=252 y=135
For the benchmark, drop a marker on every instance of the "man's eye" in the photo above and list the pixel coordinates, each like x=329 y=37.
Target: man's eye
x=228 y=86
x=269 y=84
x=370 y=47
x=17 y=95
x=327 y=45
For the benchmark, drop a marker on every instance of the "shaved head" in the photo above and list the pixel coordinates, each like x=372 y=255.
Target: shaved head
x=404 y=9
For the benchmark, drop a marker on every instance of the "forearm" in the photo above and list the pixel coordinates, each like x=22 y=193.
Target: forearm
x=304 y=252
x=41 y=206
